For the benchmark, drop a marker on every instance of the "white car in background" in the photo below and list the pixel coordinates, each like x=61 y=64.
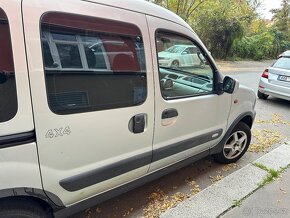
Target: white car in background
x=285 y=53
x=275 y=80
x=181 y=56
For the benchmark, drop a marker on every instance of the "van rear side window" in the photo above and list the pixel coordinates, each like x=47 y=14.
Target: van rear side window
x=8 y=95
x=92 y=64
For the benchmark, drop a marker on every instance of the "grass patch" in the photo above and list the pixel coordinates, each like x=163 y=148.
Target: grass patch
x=273 y=174
x=261 y=166
x=237 y=203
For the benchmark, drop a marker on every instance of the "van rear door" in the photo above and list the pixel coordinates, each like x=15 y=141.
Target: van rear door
x=92 y=93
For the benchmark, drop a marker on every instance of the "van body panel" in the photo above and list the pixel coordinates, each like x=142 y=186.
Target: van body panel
x=20 y=166
x=197 y=115
x=95 y=140
x=89 y=127
x=23 y=120
x=144 y=7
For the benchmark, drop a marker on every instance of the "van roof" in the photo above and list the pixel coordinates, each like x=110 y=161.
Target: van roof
x=144 y=7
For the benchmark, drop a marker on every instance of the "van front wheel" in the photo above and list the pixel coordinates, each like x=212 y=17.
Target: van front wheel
x=236 y=144
x=23 y=208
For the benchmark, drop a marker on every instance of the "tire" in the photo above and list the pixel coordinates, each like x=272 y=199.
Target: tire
x=236 y=144
x=175 y=64
x=23 y=208
x=262 y=95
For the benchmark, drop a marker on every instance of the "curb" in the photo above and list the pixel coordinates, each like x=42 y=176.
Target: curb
x=218 y=198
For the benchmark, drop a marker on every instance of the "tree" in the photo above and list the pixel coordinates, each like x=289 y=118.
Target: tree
x=183 y=8
x=281 y=18
x=220 y=22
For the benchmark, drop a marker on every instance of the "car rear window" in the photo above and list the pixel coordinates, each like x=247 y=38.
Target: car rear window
x=8 y=95
x=283 y=63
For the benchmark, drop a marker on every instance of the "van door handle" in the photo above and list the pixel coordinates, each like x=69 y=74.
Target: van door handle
x=169 y=113
x=137 y=124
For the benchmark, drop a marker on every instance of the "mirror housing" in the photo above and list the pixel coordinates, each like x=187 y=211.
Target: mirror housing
x=230 y=85
x=3 y=77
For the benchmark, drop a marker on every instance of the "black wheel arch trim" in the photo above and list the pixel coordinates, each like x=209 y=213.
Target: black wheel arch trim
x=219 y=147
x=51 y=199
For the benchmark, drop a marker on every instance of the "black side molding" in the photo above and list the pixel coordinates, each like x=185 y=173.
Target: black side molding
x=68 y=211
x=17 y=139
x=93 y=177
x=169 y=150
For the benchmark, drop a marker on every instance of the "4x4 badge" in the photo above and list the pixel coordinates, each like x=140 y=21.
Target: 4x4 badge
x=58 y=132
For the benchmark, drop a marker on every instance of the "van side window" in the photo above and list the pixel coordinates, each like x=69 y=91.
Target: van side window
x=183 y=69
x=92 y=64
x=8 y=94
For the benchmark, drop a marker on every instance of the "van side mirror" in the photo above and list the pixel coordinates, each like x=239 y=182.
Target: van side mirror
x=230 y=85
x=3 y=77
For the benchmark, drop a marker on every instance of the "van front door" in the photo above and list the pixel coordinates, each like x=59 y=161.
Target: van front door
x=190 y=116
x=92 y=97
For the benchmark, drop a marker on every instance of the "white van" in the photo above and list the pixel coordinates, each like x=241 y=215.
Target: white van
x=87 y=112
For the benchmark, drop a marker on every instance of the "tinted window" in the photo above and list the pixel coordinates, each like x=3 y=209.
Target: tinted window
x=92 y=64
x=183 y=69
x=69 y=56
x=283 y=63
x=8 y=95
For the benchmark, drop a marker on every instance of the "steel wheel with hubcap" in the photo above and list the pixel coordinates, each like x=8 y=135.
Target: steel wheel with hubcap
x=236 y=144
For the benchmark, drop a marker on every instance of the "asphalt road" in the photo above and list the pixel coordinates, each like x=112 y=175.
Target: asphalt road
x=272 y=115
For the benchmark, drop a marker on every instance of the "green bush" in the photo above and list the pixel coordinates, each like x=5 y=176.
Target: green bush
x=266 y=45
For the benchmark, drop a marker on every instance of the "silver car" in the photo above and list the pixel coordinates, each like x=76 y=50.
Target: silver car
x=275 y=80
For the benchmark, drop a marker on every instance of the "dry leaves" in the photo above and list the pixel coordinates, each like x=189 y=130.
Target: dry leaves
x=276 y=119
x=127 y=213
x=98 y=210
x=265 y=139
x=216 y=178
x=228 y=167
x=160 y=202
x=194 y=187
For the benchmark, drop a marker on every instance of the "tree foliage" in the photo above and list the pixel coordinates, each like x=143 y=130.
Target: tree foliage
x=220 y=22
x=282 y=18
x=233 y=28
x=183 y=8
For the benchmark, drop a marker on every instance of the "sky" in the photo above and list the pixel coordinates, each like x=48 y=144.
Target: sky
x=267 y=5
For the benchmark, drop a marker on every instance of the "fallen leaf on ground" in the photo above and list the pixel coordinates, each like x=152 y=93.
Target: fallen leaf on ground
x=265 y=139
x=276 y=119
x=228 y=167
x=216 y=178
x=194 y=187
x=283 y=191
x=160 y=202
